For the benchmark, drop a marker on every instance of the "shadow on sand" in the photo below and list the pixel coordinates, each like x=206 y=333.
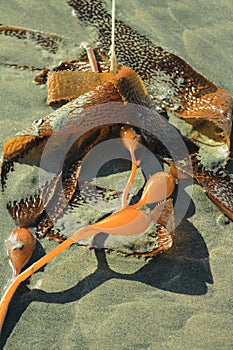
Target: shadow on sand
x=185 y=270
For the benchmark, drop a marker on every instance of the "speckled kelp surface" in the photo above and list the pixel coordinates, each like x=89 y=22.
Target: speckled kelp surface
x=83 y=301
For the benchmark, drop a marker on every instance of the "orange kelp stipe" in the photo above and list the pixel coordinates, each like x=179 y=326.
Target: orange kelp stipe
x=91 y=56
x=126 y=222
x=131 y=141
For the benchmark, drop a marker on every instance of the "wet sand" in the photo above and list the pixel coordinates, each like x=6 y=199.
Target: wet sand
x=86 y=300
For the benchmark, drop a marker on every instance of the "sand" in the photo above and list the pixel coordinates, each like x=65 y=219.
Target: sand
x=86 y=300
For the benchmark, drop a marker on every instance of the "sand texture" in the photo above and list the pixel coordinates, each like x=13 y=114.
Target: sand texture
x=91 y=300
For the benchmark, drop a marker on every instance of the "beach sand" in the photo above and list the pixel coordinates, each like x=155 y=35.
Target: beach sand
x=88 y=300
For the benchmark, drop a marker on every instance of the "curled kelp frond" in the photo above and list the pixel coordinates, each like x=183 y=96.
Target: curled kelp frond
x=218 y=184
x=63 y=123
x=93 y=194
x=25 y=212
x=49 y=42
x=57 y=204
x=72 y=79
x=171 y=82
x=48 y=204
x=25 y=148
x=35 y=138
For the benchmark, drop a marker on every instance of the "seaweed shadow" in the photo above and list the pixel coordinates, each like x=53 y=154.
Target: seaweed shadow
x=185 y=270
